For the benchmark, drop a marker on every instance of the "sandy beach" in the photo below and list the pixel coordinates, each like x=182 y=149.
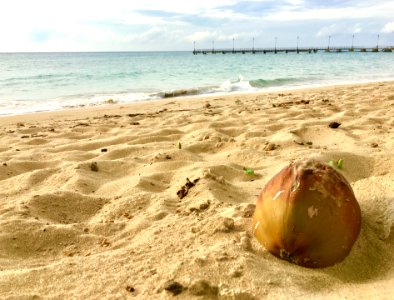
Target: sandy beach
x=151 y=200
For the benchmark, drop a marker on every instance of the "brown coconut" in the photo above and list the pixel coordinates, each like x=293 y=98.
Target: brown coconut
x=308 y=214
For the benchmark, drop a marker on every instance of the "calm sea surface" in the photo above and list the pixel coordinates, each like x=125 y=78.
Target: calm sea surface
x=31 y=82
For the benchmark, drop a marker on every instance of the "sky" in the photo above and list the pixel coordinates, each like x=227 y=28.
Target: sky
x=167 y=25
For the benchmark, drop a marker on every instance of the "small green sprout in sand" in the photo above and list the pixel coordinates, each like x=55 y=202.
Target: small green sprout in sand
x=249 y=171
x=340 y=164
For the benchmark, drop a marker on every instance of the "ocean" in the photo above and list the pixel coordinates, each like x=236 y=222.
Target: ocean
x=33 y=82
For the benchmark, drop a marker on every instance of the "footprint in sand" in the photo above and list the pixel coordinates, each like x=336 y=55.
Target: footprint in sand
x=155 y=183
x=65 y=207
x=21 y=239
x=326 y=137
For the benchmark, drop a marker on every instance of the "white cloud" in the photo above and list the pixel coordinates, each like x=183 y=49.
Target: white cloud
x=200 y=36
x=338 y=29
x=148 y=35
x=183 y=7
x=295 y=2
x=226 y=14
x=88 y=25
x=359 y=12
x=389 y=27
x=357 y=28
x=328 y=30
x=209 y=36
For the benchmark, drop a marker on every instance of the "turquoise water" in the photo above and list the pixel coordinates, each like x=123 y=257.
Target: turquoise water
x=31 y=82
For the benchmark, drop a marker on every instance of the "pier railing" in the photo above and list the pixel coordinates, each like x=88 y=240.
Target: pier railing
x=290 y=50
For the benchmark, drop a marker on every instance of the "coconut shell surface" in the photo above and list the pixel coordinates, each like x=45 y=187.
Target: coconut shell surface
x=308 y=214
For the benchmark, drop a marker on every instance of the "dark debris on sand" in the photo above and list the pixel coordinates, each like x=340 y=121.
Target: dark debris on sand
x=173 y=287
x=94 y=166
x=186 y=187
x=334 y=125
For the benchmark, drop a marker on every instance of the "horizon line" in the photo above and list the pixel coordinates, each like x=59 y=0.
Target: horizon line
x=190 y=50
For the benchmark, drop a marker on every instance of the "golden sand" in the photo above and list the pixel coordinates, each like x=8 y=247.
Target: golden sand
x=92 y=205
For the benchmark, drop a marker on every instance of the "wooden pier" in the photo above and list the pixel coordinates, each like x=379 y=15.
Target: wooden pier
x=292 y=50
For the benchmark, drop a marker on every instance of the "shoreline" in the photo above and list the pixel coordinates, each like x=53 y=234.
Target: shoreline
x=184 y=95
x=191 y=98
x=93 y=200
